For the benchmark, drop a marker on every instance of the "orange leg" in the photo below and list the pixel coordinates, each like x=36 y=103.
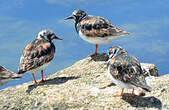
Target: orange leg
x=95 y=54
x=96 y=49
x=122 y=93
x=34 y=78
x=132 y=94
x=42 y=80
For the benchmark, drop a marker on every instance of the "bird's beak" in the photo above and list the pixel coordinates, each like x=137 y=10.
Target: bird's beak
x=70 y=17
x=55 y=37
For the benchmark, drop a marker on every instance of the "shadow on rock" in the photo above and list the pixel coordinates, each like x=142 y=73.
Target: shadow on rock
x=100 y=57
x=57 y=81
x=111 y=84
x=139 y=101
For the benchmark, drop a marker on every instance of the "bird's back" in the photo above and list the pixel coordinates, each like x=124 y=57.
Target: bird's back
x=96 y=26
x=36 y=54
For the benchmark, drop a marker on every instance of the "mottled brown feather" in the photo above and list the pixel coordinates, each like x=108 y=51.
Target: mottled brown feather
x=127 y=69
x=95 y=26
x=36 y=54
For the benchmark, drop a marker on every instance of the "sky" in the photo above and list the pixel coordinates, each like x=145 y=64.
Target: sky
x=21 y=20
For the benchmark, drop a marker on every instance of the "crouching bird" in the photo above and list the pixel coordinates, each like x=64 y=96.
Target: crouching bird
x=125 y=70
x=38 y=54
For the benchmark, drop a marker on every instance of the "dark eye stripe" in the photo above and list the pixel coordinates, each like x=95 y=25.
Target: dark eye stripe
x=52 y=34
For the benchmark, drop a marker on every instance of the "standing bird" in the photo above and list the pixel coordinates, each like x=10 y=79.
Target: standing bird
x=125 y=70
x=95 y=29
x=38 y=54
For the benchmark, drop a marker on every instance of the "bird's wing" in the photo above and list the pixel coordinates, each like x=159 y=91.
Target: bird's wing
x=128 y=70
x=95 y=26
x=36 y=54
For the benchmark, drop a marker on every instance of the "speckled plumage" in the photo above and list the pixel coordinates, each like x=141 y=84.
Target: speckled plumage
x=38 y=54
x=125 y=69
x=96 y=26
x=95 y=29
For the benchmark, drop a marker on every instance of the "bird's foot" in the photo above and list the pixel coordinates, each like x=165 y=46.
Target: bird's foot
x=132 y=95
x=93 y=55
x=41 y=81
x=35 y=83
x=129 y=95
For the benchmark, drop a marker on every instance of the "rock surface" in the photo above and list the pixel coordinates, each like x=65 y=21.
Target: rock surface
x=84 y=85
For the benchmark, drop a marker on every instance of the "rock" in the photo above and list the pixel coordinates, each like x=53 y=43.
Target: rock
x=84 y=85
x=6 y=75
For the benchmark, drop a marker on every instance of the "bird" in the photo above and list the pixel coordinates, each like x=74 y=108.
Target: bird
x=95 y=29
x=38 y=54
x=7 y=75
x=125 y=71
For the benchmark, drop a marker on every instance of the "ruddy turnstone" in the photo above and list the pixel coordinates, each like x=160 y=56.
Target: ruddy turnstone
x=6 y=75
x=38 y=54
x=125 y=70
x=95 y=29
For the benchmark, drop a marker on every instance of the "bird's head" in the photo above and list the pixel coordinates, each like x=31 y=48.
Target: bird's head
x=48 y=35
x=114 y=51
x=77 y=15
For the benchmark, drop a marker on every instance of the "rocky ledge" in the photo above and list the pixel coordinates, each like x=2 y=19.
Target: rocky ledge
x=85 y=85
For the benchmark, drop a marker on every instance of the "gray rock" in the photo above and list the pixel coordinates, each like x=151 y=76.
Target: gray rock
x=84 y=85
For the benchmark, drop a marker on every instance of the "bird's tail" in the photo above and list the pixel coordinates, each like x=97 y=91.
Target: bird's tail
x=20 y=72
x=123 y=33
x=147 y=88
x=15 y=76
x=8 y=74
x=126 y=33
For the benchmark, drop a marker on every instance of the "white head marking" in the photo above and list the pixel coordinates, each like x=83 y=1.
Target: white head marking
x=42 y=33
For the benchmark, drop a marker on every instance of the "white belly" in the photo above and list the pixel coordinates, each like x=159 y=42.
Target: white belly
x=97 y=40
x=39 y=68
x=118 y=82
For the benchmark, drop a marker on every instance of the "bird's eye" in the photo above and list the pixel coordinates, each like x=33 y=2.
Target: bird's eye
x=51 y=34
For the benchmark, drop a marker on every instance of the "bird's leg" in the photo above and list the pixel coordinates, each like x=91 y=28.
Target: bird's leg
x=95 y=54
x=132 y=94
x=42 y=80
x=96 y=49
x=34 y=78
x=122 y=93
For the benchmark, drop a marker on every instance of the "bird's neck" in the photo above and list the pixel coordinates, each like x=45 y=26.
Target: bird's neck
x=76 y=27
x=77 y=23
